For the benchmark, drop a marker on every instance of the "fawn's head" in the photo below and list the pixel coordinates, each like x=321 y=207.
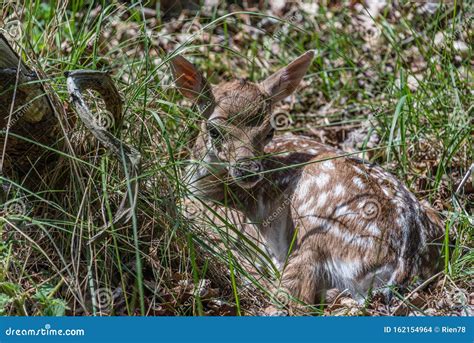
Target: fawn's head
x=238 y=114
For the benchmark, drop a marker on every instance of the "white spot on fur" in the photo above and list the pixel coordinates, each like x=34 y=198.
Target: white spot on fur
x=372 y=228
x=312 y=151
x=322 y=198
x=328 y=165
x=313 y=221
x=339 y=190
x=304 y=187
x=342 y=211
x=307 y=208
x=322 y=180
x=358 y=182
x=397 y=202
x=358 y=170
x=400 y=221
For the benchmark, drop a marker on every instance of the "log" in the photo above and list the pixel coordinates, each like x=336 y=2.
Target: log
x=28 y=122
x=29 y=126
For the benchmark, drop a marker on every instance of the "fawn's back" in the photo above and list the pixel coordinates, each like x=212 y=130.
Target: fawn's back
x=357 y=227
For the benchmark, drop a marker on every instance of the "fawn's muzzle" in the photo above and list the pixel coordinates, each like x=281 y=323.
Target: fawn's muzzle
x=246 y=171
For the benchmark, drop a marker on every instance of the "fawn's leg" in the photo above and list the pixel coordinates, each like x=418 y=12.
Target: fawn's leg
x=300 y=278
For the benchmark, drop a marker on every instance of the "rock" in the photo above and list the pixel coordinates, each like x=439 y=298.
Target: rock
x=439 y=39
x=461 y=48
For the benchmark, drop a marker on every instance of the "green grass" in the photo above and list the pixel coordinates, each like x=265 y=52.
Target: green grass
x=47 y=265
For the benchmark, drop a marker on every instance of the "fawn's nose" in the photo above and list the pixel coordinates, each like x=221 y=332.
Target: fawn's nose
x=247 y=170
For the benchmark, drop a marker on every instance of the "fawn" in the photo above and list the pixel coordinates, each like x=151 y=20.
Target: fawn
x=350 y=224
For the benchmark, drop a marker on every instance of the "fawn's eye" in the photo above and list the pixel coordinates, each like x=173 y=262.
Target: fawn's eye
x=213 y=132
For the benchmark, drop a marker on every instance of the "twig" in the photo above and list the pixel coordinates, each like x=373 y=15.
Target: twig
x=458 y=190
x=420 y=287
x=465 y=178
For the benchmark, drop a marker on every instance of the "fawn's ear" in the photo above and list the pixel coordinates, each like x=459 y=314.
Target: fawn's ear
x=190 y=82
x=282 y=83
